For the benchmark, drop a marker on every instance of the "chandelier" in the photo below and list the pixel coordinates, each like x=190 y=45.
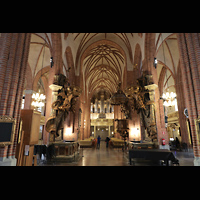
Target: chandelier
x=118 y=98
x=169 y=99
x=38 y=100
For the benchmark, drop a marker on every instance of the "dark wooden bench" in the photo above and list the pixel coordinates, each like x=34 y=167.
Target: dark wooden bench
x=153 y=154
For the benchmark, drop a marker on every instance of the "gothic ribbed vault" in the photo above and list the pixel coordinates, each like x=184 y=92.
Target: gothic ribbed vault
x=103 y=68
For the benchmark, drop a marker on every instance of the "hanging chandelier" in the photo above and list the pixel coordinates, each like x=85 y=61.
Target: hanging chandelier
x=38 y=100
x=118 y=98
x=169 y=99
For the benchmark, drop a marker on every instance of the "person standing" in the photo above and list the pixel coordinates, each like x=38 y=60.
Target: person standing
x=98 y=141
x=107 y=141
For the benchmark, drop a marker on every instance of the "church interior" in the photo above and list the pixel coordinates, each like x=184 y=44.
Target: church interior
x=138 y=92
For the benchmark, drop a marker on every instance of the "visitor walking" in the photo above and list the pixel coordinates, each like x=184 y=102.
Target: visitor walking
x=98 y=141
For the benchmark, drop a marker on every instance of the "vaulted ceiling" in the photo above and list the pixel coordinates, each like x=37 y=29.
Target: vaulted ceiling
x=39 y=53
x=39 y=59
x=126 y=41
x=103 y=68
x=168 y=55
x=105 y=55
x=85 y=38
x=102 y=57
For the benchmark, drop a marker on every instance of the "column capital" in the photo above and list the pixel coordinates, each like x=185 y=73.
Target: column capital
x=151 y=87
x=55 y=87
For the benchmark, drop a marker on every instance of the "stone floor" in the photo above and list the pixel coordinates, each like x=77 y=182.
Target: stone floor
x=103 y=157
x=115 y=157
x=185 y=158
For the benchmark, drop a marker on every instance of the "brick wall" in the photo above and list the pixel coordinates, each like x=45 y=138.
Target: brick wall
x=56 y=52
x=181 y=106
x=189 y=48
x=149 y=68
x=13 y=62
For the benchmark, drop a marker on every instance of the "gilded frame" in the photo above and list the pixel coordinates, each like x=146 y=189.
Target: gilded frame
x=8 y=119
x=20 y=131
x=197 y=127
x=188 y=130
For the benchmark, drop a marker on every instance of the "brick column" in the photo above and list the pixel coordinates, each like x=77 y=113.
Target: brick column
x=13 y=63
x=189 y=48
x=159 y=113
x=148 y=67
x=87 y=118
x=181 y=106
x=49 y=101
x=55 y=70
x=28 y=99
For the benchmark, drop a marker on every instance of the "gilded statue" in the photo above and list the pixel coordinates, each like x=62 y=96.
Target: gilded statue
x=140 y=102
x=65 y=103
x=136 y=95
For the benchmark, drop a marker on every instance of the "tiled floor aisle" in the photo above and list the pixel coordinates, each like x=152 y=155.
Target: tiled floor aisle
x=98 y=157
x=103 y=157
x=115 y=157
x=185 y=158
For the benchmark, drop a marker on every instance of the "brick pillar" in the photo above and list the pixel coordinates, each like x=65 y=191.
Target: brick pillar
x=82 y=129
x=148 y=67
x=159 y=113
x=14 y=52
x=28 y=99
x=181 y=106
x=48 y=103
x=86 y=113
x=55 y=70
x=117 y=115
x=189 y=47
x=75 y=120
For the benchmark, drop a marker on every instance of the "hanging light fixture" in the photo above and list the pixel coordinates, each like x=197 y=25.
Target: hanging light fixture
x=118 y=98
x=168 y=97
x=155 y=62
x=37 y=98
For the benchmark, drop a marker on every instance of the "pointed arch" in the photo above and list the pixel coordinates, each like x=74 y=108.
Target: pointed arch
x=38 y=75
x=57 y=52
x=149 y=51
x=137 y=59
x=70 y=64
x=29 y=77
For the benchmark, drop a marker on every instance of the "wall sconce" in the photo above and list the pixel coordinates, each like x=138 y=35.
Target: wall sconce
x=84 y=123
x=135 y=132
x=68 y=131
x=155 y=62
x=51 y=61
